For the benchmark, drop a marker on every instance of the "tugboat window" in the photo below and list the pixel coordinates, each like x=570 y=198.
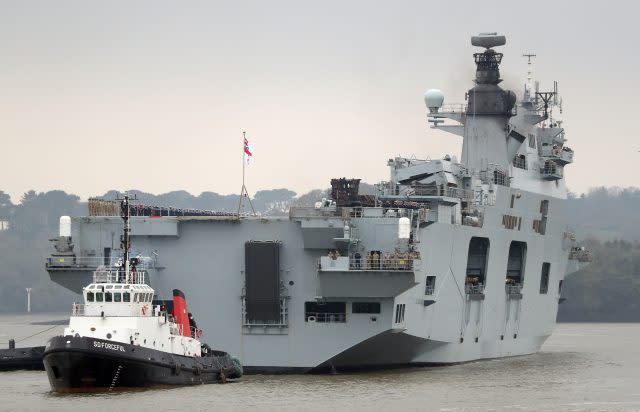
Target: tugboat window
x=117 y=297
x=126 y=297
x=108 y=297
x=89 y=296
x=98 y=296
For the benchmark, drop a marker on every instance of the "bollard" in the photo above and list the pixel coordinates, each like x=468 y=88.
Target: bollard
x=12 y=344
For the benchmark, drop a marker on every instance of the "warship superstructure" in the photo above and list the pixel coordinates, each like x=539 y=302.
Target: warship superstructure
x=450 y=261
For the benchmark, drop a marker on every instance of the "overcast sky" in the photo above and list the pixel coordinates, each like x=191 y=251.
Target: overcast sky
x=154 y=95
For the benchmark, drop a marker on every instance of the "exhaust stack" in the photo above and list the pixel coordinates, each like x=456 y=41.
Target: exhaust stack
x=180 y=313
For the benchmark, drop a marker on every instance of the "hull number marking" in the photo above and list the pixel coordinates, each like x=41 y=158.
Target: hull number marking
x=110 y=346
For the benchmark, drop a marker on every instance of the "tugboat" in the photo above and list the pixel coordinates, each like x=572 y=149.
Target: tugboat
x=13 y=359
x=120 y=337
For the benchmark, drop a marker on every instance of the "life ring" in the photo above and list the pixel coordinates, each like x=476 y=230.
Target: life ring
x=144 y=309
x=311 y=319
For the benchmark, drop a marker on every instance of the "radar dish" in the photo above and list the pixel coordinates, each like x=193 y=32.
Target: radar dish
x=488 y=40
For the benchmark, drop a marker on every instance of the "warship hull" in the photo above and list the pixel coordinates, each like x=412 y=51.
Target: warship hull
x=87 y=365
x=448 y=262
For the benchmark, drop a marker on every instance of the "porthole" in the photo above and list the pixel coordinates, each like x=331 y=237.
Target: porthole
x=108 y=336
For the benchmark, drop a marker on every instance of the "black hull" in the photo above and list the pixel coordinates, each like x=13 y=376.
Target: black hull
x=21 y=359
x=88 y=364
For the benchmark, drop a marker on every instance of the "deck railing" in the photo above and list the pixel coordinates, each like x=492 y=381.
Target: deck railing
x=366 y=264
x=580 y=255
x=281 y=322
x=93 y=262
x=320 y=317
x=474 y=289
x=513 y=288
x=137 y=277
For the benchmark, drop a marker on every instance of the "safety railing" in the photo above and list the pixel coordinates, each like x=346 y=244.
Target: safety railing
x=520 y=162
x=453 y=108
x=281 y=322
x=77 y=309
x=550 y=170
x=474 y=289
x=93 y=262
x=433 y=190
x=366 y=263
x=581 y=255
x=563 y=154
x=513 y=289
x=137 y=277
x=309 y=212
x=496 y=175
x=320 y=317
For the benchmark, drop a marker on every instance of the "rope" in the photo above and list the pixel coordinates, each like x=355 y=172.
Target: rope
x=42 y=331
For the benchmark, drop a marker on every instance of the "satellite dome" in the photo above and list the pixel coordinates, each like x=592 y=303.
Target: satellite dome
x=433 y=98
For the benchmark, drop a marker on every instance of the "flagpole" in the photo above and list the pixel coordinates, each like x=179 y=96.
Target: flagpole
x=244 y=192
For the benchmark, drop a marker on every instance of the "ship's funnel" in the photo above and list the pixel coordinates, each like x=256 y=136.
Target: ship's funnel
x=180 y=312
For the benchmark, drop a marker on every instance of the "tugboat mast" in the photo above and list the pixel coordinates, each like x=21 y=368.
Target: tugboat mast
x=125 y=214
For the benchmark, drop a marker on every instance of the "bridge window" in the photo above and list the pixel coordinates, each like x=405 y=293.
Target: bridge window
x=108 y=297
x=126 y=297
x=99 y=297
x=515 y=264
x=477 y=261
x=117 y=297
x=89 y=296
x=365 y=307
x=544 y=278
x=325 y=312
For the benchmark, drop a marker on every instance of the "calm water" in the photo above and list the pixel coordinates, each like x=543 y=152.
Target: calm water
x=593 y=367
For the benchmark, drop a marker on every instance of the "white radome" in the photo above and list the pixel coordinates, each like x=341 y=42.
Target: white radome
x=433 y=98
x=65 y=226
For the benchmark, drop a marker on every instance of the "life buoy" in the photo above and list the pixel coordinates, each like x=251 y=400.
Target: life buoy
x=311 y=319
x=144 y=309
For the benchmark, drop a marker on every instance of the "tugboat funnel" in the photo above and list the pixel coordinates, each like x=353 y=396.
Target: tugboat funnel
x=180 y=312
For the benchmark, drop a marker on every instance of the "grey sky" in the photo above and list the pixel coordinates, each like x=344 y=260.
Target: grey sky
x=154 y=95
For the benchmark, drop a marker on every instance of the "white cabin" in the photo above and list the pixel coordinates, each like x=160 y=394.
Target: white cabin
x=123 y=312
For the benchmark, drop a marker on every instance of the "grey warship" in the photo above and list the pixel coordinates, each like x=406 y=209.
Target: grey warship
x=450 y=261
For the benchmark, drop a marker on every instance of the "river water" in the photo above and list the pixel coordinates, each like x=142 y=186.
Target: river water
x=582 y=367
